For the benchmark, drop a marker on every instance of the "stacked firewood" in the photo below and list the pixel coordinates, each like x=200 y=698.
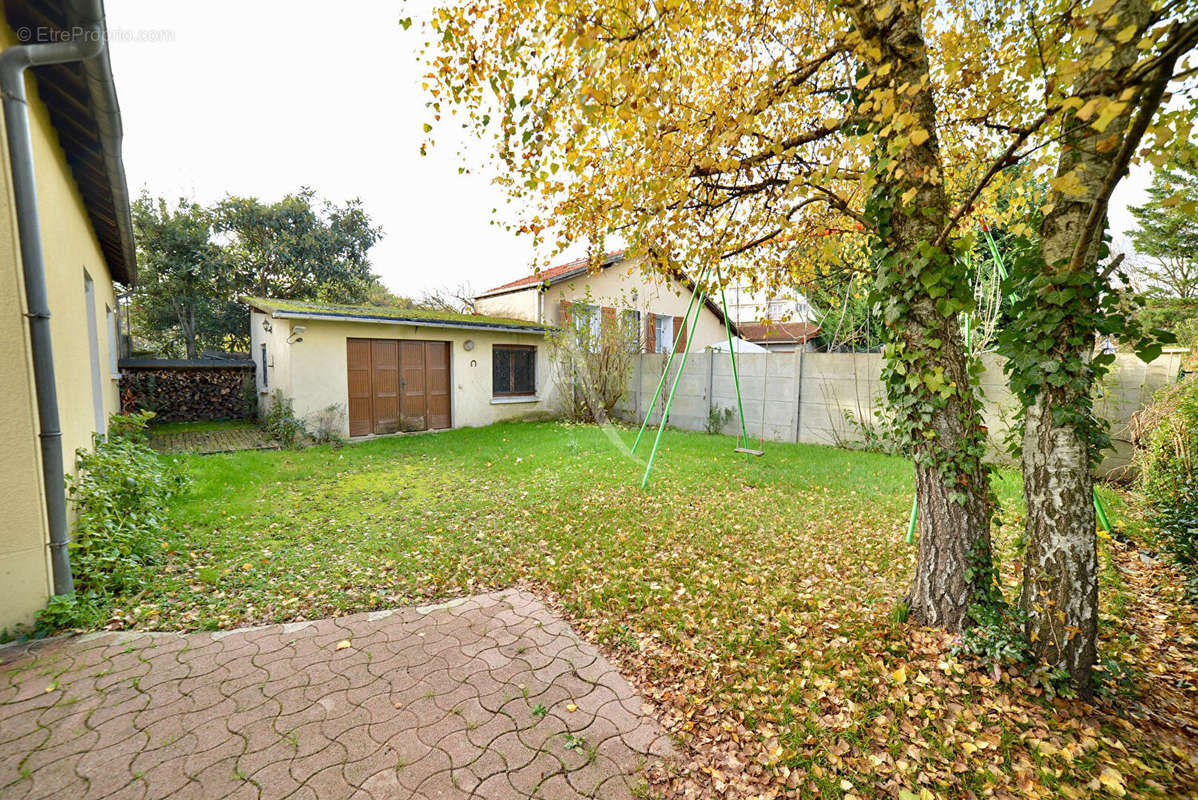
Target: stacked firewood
x=189 y=394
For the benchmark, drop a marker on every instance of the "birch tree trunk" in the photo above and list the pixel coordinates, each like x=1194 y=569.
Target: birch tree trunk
x=1060 y=571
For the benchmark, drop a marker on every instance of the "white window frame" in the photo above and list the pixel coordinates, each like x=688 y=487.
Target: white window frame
x=93 y=348
x=594 y=321
x=663 y=333
x=114 y=344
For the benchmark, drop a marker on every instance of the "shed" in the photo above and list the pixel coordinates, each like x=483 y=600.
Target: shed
x=367 y=370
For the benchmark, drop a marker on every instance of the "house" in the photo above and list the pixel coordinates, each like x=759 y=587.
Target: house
x=578 y=290
x=781 y=337
x=746 y=305
x=366 y=370
x=781 y=322
x=65 y=237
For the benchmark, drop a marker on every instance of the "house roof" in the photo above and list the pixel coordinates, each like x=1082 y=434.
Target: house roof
x=303 y=309
x=771 y=332
x=582 y=266
x=562 y=272
x=81 y=99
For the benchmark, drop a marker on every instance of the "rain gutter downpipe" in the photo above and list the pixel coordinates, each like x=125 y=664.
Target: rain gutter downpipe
x=87 y=42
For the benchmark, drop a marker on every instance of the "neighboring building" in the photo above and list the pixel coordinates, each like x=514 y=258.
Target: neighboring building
x=781 y=337
x=747 y=306
x=779 y=322
x=87 y=242
x=368 y=370
x=616 y=285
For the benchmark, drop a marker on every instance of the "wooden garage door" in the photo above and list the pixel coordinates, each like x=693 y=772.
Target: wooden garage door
x=397 y=384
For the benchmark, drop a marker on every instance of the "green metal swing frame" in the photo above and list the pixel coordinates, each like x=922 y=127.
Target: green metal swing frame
x=698 y=293
x=1099 y=510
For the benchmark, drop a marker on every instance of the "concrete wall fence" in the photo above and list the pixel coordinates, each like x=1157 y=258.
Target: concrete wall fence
x=816 y=397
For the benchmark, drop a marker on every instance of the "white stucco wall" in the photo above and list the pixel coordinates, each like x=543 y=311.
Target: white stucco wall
x=621 y=286
x=313 y=372
x=524 y=304
x=70 y=250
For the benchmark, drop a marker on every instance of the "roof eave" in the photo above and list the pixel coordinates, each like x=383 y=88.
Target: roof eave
x=102 y=90
x=608 y=261
x=280 y=313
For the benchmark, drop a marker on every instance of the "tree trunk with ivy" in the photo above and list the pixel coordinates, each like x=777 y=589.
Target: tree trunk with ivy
x=923 y=290
x=1053 y=362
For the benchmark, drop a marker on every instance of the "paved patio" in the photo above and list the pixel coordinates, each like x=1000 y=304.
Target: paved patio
x=224 y=440
x=487 y=697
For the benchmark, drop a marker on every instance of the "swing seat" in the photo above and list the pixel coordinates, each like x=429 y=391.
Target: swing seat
x=749 y=451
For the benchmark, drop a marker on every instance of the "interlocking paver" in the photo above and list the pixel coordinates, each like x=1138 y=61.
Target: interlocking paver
x=428 y=702
x=218 y=441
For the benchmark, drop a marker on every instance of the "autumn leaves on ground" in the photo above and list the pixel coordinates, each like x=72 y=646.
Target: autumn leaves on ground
x=752 y=601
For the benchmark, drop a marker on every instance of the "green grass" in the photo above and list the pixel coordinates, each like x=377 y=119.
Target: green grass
x=762 y=589
x=202 y=426
x=395 y=520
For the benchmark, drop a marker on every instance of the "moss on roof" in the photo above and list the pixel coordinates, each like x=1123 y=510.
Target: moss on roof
x=370 y=313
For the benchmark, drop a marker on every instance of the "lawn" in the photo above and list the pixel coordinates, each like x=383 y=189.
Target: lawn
x=753 y=601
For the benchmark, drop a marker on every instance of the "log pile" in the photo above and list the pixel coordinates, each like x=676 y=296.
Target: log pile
x=190 y=393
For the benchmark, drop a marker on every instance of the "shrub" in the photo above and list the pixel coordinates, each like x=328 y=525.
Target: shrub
x=120 y=494
x=1168 y=470
x=249 y=396
x=130 y=426
x=327 y=425
x=718 y=418
x=593 y=354
x=875 y=432
x=281 y=422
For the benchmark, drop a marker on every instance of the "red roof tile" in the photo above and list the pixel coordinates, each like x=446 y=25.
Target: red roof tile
x=553 y=274
x=778 y=332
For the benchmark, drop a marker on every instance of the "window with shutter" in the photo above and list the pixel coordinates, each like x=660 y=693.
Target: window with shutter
x=664 y=334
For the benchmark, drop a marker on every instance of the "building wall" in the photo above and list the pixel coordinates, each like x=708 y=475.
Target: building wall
x=70 y=248
x=276 y=375
x=621 y=286
x=525 y=305
x=313 y=372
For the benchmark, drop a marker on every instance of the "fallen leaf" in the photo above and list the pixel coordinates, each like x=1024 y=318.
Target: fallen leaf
x=1112 y=779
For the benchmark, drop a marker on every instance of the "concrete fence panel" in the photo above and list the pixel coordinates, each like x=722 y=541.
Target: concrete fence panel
x=830 y=398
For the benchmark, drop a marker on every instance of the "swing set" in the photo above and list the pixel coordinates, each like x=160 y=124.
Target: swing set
x=742 y=442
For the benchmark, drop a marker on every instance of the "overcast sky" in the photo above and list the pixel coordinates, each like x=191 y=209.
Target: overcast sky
x=261 y=98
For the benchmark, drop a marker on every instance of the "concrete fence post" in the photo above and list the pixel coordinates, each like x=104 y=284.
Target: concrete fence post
x=710 y=382
x=636 y=409
x=798 y=393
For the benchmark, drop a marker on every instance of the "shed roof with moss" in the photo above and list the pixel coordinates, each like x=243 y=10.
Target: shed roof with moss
x=304 y=309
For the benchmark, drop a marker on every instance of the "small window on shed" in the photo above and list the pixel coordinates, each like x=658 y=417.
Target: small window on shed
x=513 y=370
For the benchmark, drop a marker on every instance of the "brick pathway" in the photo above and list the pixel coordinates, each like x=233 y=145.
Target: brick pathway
x=488 y=697
x=219 y=441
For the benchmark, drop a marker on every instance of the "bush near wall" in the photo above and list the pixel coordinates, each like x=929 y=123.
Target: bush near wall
x=189 y=391
x=1169 y=471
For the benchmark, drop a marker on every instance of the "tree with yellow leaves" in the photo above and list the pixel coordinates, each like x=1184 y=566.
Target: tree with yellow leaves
x=699 y=131
x=1109 y=75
